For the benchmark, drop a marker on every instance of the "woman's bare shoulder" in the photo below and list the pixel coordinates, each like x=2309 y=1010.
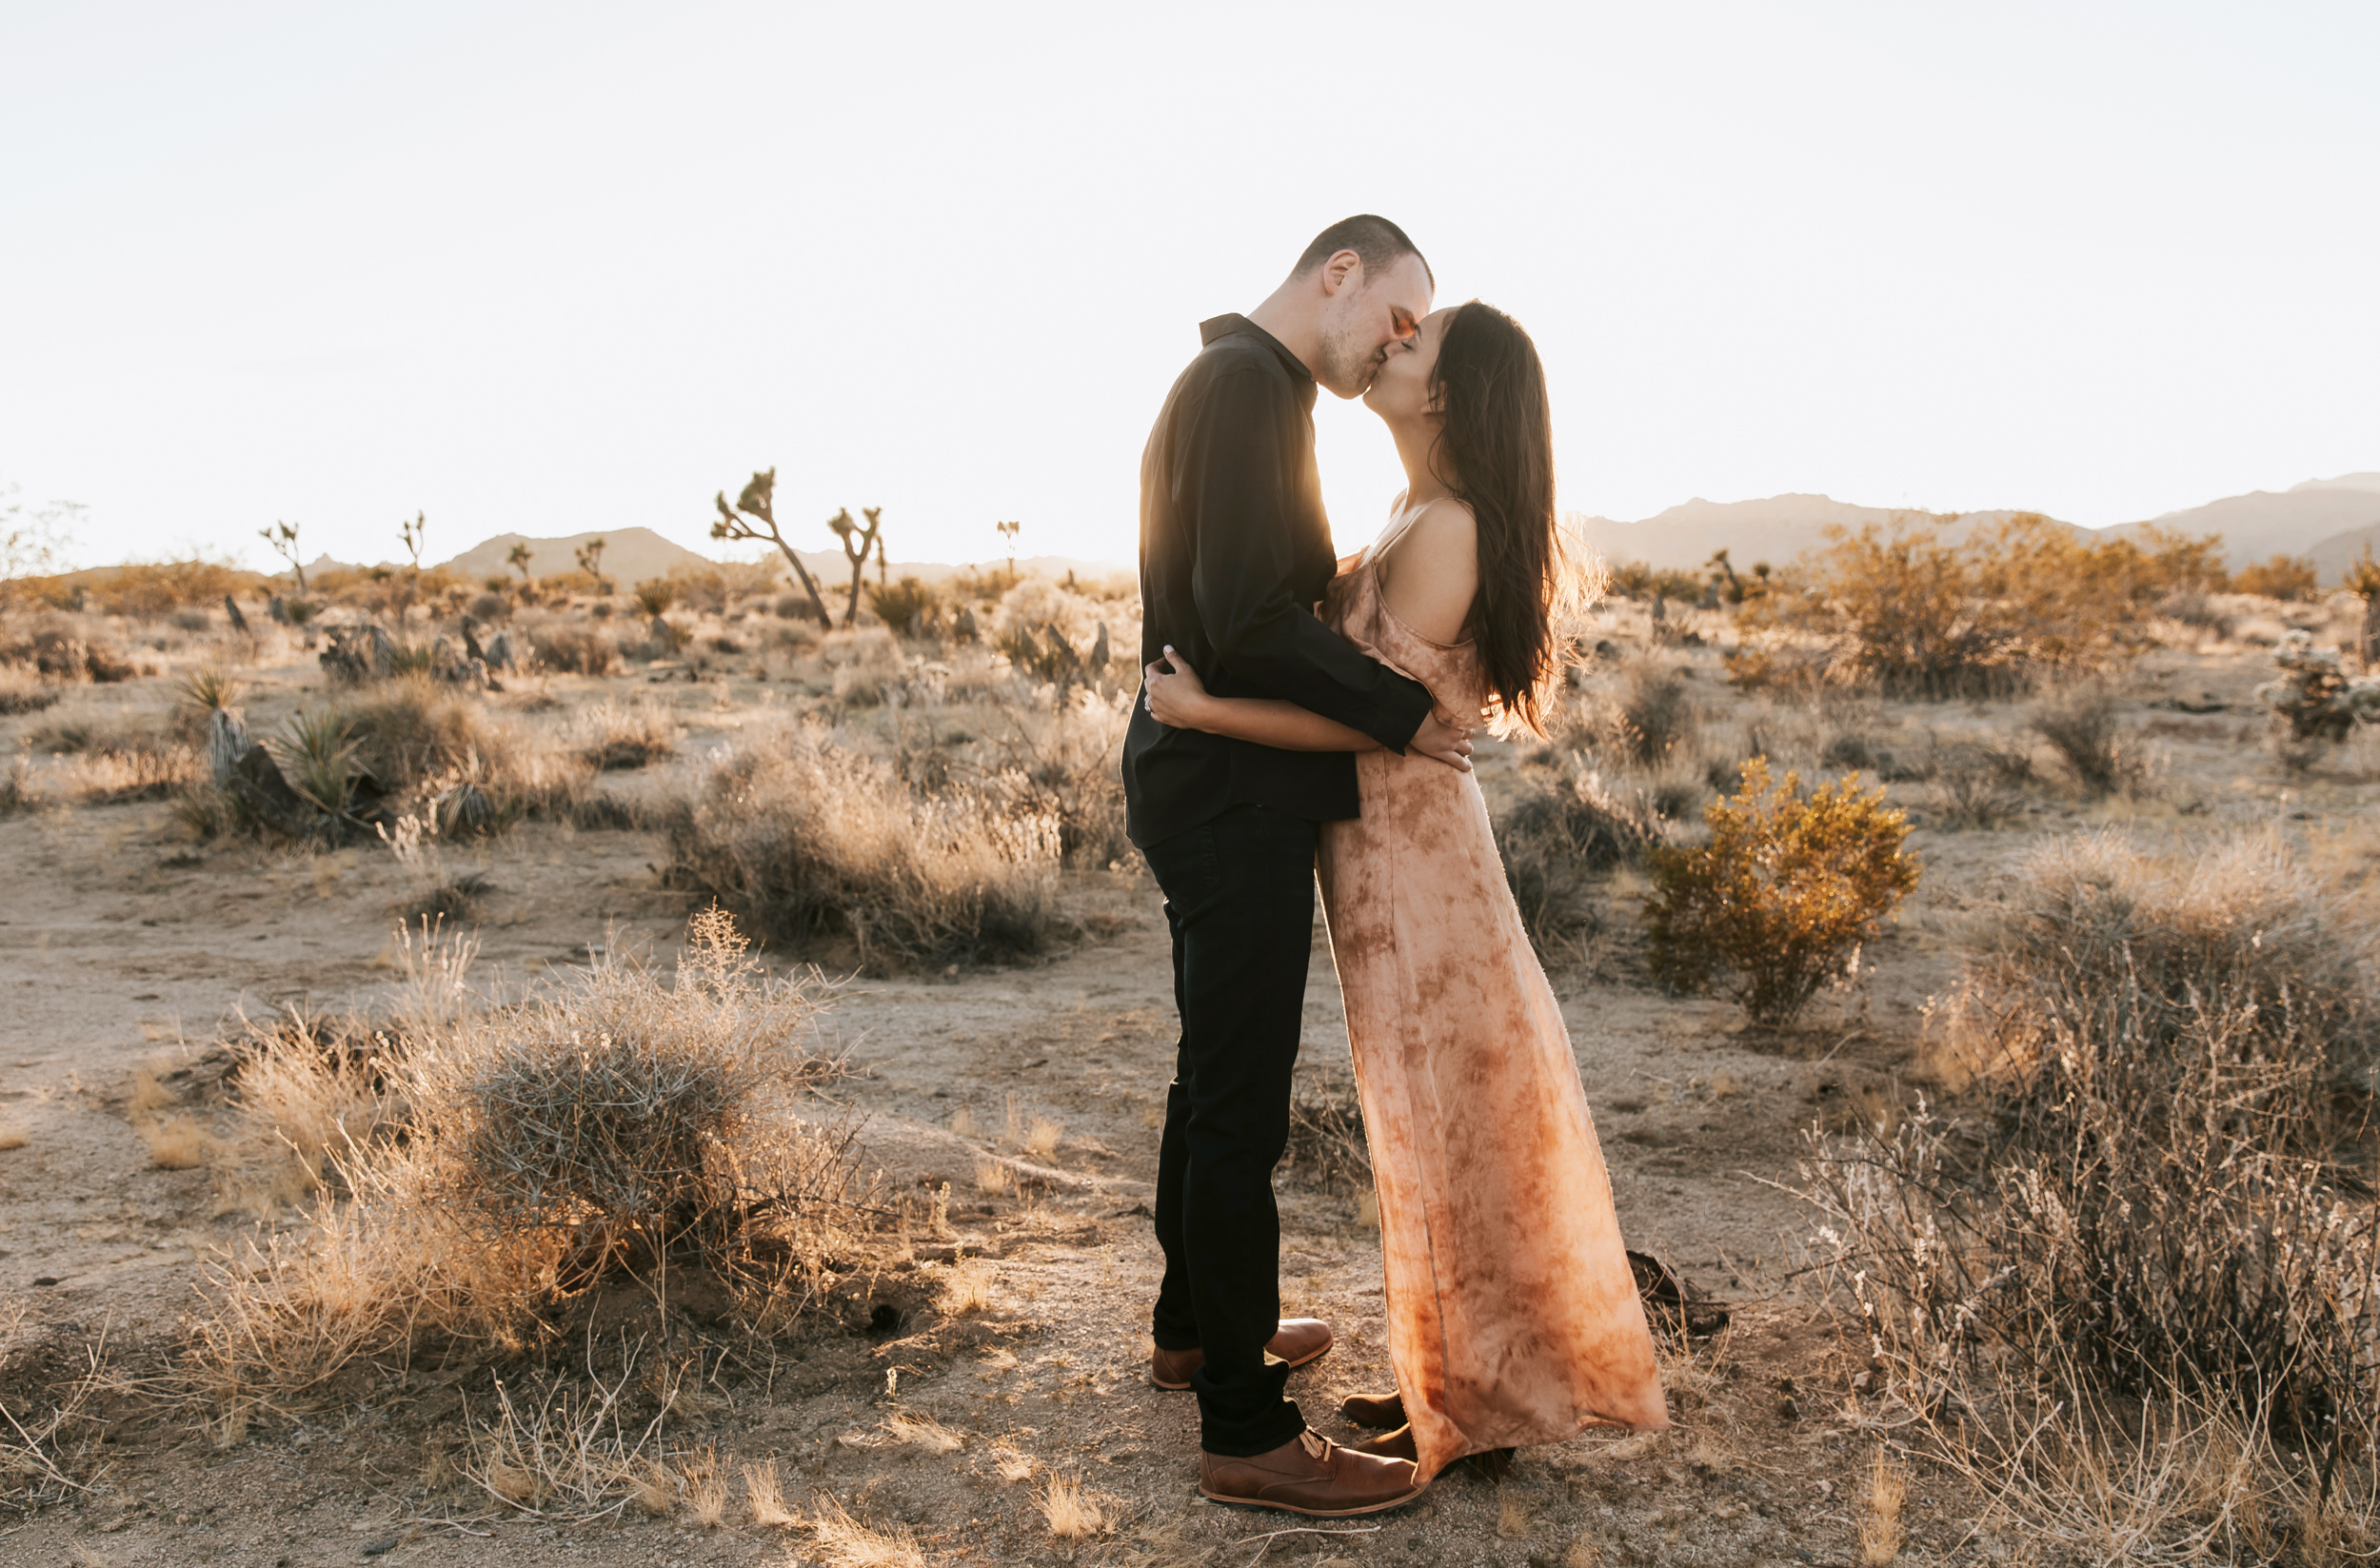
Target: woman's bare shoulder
x=1434 y=570
x=1445 y=536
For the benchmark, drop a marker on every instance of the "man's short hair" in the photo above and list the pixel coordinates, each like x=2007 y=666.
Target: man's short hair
x=1378 y=244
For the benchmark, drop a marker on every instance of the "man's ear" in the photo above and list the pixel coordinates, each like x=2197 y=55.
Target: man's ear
x=1342 y=270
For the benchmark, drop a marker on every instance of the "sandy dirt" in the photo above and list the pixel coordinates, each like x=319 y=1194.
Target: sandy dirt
x=123 y=950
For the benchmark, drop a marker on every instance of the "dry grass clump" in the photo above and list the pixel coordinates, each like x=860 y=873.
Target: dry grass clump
x=2108 y=926
x=1070 y=1512
x=807 y=838
x=1062 y=763
x=132 y=768
x=176 y=1142
x=994 y=1175
x=2149 y=1246
x=926 y=1433
x=575 y=650
x=867 y=663
x=967 y=1288
x=842 y=1541
x=765 y=1495
x=22 y=691
x=1974 y=784
x=2080 y=724
x=409 y=729
x=613 y=1125
x=1784 y=894
x=610 y=1117
x=307 y=1092
x=1880 y=1523
x=613 y=736
x=1654 y=714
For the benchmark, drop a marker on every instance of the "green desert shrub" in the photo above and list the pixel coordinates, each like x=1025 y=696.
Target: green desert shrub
x=2289 y=577
x=1781 y=898
x=1933 y=607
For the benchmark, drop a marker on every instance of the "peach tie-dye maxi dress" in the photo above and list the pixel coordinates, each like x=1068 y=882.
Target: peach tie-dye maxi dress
x=1513 y=1317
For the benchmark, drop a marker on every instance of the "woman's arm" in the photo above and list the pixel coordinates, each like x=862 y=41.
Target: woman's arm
x=1177 y=698
x=1267 y=721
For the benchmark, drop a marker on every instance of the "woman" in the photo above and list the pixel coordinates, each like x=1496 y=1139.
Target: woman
x=1512 y=1315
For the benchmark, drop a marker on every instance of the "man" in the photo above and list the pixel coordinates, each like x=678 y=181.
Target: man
x=1234 y=552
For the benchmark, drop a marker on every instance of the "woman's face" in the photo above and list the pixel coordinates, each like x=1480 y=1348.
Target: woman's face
x=1400 y=390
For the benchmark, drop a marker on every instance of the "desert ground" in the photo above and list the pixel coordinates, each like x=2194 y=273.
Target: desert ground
x=969 y=1385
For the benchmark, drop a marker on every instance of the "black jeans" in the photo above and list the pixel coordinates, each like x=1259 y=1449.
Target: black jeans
x=1240 y=900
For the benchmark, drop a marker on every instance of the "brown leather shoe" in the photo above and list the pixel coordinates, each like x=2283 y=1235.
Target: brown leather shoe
x=1389 y=1445
x=1309 y=1475
x=1300 y=1340
x=1380 y=1412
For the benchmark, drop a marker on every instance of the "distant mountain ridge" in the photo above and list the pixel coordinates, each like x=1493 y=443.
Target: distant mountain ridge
x=1774 y=529
x=2331 y=521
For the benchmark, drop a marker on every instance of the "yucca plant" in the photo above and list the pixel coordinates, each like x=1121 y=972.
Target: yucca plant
x=318 y=754
x=206 y=689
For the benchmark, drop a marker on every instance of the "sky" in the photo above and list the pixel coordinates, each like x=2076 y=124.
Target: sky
x=547 y=268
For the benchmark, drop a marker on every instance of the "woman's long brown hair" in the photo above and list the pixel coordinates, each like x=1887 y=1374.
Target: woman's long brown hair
x=1495 y=452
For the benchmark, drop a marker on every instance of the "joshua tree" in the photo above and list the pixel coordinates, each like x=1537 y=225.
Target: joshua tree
x=412 y=532
x=518 y=558
x=283 y=537
x=857 y=543
x=590 y=559
x=753 y=517
x=1009 y=531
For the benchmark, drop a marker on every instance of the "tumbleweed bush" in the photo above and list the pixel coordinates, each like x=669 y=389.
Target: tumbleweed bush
x=803 y=837
x=2149 y=1223
x=617 y=1125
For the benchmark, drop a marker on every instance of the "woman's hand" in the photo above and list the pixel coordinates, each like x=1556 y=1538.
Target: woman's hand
x=1173 y=696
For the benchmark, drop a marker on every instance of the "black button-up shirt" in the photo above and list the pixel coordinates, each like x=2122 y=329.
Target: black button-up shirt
x=1234 y=552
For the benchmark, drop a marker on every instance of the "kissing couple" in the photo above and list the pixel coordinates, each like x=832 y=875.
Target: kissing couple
x=1303 y=714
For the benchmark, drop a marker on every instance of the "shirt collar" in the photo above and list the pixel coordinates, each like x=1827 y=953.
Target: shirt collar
x=1223 y=326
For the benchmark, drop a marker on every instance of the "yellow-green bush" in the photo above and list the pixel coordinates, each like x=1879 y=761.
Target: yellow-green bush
x=1781 y=898
x=2281 y=577
x=1927 y=607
